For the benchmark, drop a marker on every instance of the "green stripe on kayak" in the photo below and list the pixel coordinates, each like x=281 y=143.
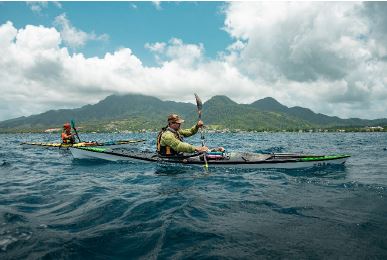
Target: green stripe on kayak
x=94 y=149
x=326 y=157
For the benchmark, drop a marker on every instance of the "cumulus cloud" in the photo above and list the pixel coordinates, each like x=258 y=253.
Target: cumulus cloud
x=329 y=57
x=326 y=56
x=157 y=47
x=38 y=74
x=37 y=6
x=303 y=40
x=7 y=34
x=74 y=37
x=184 y=54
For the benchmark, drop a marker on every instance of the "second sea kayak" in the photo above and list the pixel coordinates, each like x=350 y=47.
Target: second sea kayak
x=116 y=143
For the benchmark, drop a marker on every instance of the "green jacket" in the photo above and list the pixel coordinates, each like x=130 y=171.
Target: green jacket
x=168 y=138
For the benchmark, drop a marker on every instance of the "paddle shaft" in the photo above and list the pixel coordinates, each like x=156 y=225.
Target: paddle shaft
x=199 y=104
x=201 y=129
x=76 y=132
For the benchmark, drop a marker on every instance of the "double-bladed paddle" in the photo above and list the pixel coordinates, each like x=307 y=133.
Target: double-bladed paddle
x=76 y=133
x=199 y=105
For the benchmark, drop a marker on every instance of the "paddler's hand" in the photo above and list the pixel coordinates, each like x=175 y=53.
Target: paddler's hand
x=200 y=124
x=220 y=149
x=201 y=149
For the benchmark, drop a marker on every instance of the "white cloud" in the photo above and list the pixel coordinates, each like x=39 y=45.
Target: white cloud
x=300 y=39
x=157 y=47
x=157 y=4
x=7 y=34
x=176 y=50
x=74 y=37
x=37 y=38
x=330 y=57
x=57 y=4
x=308 y=51
x=37 y=6
x=37 y=74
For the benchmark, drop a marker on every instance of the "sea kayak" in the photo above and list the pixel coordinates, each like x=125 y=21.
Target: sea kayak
x=217 y=159
x=118 y=143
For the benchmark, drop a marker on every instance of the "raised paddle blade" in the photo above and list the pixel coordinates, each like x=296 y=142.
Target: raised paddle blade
x=199 y=103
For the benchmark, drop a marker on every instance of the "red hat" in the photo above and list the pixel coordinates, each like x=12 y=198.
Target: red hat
x=67 y=126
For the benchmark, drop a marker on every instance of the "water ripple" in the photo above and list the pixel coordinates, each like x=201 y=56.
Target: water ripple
x=53 y=207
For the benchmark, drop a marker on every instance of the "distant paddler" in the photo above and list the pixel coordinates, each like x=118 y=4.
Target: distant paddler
x=67 y=136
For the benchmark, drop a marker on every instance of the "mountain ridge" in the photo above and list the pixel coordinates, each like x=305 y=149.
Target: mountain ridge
x=135 y=111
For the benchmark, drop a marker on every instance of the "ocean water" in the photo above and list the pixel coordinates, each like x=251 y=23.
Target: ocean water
x=55 y=207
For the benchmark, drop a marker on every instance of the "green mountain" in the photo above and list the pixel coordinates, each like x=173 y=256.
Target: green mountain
x=314 y=119
x=137 y=112
x=222 y=112
x=269 y=104
x=130 y=111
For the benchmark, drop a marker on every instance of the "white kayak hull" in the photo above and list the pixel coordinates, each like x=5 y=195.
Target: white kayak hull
x=272 y=161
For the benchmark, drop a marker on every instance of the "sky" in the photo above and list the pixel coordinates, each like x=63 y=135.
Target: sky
x=330 y=57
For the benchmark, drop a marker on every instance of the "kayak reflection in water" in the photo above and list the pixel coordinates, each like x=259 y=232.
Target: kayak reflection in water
x=67 y=136
x=170 y=140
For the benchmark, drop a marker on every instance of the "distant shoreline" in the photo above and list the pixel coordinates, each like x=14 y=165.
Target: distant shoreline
x=341 y=130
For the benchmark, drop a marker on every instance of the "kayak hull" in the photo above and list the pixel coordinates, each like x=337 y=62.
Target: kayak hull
x=91 y=155
x=235 y=160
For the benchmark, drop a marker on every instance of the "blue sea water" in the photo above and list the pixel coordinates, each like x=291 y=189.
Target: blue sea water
x=55 y=207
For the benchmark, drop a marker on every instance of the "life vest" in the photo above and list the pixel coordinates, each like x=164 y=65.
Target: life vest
x=167 y=150
x=67 y=139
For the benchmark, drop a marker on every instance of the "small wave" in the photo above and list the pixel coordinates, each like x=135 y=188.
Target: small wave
x=337 y=183
x=96 y=214
x=329 y=171
x=8 y=238
x=90 y=162
x=6 y=241
x=358 y=185
x=293 y=211
x=5 y=164
x=275 y=149
x=13 y=218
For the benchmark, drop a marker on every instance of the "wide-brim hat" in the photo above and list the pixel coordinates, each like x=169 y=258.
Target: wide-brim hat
x=173 y=118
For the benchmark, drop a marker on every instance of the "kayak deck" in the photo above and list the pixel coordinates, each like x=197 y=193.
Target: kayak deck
x=82 y=144
x=234 y=159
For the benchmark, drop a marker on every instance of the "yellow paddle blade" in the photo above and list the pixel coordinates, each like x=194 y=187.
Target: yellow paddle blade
x=206 y=166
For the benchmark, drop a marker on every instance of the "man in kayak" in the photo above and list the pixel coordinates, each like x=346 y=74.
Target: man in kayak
x=67 y=136
x=170 y=140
